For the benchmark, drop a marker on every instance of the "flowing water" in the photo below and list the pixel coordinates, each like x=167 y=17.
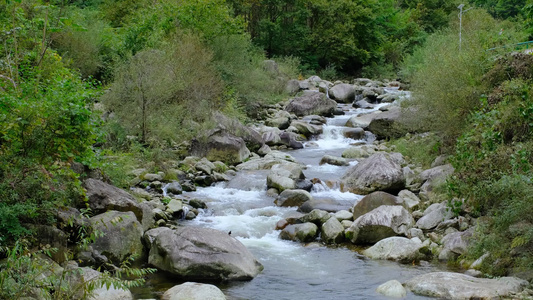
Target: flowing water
x=292 y=270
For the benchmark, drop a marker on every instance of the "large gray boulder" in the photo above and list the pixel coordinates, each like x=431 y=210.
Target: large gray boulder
x=289 y=198
x=362 y=121
x=396 y=248
x=312 y=103
x=344 y=93
x=306 y=232
x=332 y=231
x=373 y=201
x=194 y=291
x=448 y=285
x=200 y=253
x=122 y=235
x=379 y=172
x=103 y=197
x=382 y=222
x=220 y=145
x=292 y=87
x=387 y=125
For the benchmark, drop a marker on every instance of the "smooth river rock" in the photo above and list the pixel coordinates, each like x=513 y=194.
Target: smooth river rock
x=392 y=288
x=373 y=201
x=305 y=232
x=312 y=103
x=382 y=222
x=448 y=285
x=289 y=198
x=396 y=248
x=200 y=253
x=332 y=231
x=194 y=291
x=379 y=172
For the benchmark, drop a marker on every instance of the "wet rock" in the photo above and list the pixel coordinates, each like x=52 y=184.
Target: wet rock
x=291 y=140
x=316 y=216
x=289 y=198
x=379 y=172
x=306 y=129
x=333 y=160
x=281 y=224
x=175 y=188
x=122 y=235
x=312 y=103
x=304 y=184
x=306 y=232
x=447 y=285
x=194 y=291
x=188 y=186
x=332 y=231
x=392 y=288
x=382 y=222
x=200 y=253
x=284 y=176
x=396 y=248
x=354 y=133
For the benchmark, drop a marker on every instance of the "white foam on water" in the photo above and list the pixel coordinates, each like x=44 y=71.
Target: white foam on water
x=323 y=191
x=253 y=223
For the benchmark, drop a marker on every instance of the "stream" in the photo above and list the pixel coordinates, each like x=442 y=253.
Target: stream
x=292 y=270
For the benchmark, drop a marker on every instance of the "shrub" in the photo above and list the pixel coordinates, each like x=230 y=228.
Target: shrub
x=447 y=84
x=160 y=95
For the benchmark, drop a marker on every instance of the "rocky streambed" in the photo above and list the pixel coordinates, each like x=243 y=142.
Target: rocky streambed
x=314 y=206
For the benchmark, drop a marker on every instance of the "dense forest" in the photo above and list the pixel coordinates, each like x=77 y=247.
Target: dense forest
x=110 y=85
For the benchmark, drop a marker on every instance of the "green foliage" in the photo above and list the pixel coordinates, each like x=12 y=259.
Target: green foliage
x=502 y=9
x=419 y=149
x=34 y=274
x=159 y=94
x=493 y=169
x=91 y=47
x=447 y=83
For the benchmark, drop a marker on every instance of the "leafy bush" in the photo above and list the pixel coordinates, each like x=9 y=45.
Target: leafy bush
x=493 y=174
x=447 y=83
x=159 y=95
